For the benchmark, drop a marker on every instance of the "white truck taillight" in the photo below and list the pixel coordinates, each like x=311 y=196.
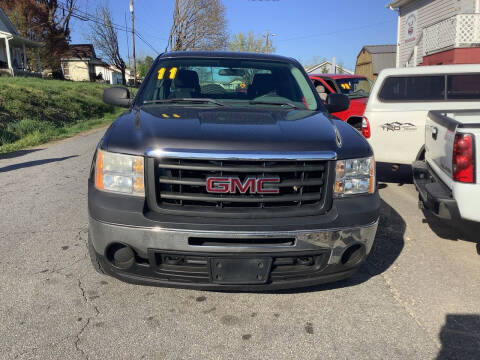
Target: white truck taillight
x=366 y=128
x=463 y=159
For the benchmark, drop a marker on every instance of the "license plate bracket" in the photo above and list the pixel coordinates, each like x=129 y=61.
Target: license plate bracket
x=240 y=270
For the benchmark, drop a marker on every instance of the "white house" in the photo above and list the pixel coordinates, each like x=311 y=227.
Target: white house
x=108 y=73
x=13 y=54
x=130 y=76
x=437 y=32
x=328 y=67
x=80 y=63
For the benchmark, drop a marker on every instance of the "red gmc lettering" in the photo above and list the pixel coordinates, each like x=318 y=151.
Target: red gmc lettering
x=218 y=185
x=261 y=189
x=233 y=185
x=242 y=188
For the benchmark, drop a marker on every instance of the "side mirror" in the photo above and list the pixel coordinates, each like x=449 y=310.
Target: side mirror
x=117 y=96
x=337 y=102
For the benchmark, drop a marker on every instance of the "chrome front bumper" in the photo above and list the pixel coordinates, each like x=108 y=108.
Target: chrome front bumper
x=329 y=253
x=142 y=239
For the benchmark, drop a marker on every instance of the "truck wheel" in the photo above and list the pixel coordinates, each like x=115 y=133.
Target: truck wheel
x=94 y=257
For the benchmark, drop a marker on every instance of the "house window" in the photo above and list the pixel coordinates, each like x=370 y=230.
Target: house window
x=65 y=69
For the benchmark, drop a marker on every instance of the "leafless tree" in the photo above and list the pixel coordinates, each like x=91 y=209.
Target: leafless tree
x=198 y=25
x=105 y=39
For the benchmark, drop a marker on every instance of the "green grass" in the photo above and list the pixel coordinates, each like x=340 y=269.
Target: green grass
x=35 y=111
x=46 y=134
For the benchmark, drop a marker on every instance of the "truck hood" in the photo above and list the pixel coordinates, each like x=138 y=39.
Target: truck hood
x=174 y=127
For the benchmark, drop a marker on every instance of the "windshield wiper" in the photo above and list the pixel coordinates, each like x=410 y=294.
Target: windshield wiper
x=184 y=100
x=259 y=102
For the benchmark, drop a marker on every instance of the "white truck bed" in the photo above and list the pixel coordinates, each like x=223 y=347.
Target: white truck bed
x=434 y=178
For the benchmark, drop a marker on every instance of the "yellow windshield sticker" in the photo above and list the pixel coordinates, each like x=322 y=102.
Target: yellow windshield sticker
x=161 y=72
x=165 y=116
x=173 y=73
x=176 y=116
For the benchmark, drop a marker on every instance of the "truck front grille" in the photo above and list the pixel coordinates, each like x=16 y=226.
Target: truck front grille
x=181 y=184
x=193 y=268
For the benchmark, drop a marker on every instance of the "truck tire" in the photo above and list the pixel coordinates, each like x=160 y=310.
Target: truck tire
x=94 y=257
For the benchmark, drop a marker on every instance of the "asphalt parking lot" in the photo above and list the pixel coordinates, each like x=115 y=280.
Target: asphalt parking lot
x=417 y=297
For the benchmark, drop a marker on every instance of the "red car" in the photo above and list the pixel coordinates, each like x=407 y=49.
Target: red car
x=356 y=87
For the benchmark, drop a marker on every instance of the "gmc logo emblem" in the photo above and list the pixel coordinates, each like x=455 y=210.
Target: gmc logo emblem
x=232 y=185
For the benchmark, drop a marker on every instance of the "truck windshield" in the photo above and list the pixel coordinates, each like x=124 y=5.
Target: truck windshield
x=231 y=82
x=355 y=88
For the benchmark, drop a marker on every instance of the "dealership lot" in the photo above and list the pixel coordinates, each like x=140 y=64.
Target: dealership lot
x=417 y=296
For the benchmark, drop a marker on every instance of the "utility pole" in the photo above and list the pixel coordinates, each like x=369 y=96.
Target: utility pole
x=267 y=42
x=133 y=44
x=128 y=45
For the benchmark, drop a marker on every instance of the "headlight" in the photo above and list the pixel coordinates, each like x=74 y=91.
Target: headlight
x=119 y=173
x=355 y=176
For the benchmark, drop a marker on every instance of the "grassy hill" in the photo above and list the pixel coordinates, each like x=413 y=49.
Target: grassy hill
x=34 y=111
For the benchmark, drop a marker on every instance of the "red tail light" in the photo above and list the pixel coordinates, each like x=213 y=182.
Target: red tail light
x=463 y=160
x=366 y=128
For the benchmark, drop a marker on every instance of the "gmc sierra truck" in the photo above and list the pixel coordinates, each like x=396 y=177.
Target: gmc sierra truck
x=228 y=172
x=448 y=179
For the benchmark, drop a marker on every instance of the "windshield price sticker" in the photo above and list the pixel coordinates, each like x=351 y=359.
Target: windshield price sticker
x=161 y=72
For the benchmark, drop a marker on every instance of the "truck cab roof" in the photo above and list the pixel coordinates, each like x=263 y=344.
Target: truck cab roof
x=227 y=55
x=338 y=76
x=430 y=70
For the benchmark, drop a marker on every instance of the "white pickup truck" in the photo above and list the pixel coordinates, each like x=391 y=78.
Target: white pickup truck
x=448 y=179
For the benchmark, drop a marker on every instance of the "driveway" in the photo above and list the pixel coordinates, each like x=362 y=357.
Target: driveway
x=418 y=297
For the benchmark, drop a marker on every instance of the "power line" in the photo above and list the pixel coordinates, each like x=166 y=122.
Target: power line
x=84 y=16
x=141 y=22
x=94 y=18
x=335 y=32
x=146 y=42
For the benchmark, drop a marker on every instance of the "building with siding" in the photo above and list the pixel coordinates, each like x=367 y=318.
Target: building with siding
x=374 y=58
x=13 y=51
x=79 y=61
x=436 y=32
x=327 y=67
x=108 y=74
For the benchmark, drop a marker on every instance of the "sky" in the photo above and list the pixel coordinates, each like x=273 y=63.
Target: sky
x=307 y=30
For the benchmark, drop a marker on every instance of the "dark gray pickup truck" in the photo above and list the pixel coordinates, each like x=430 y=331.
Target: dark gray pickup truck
x=228 y=172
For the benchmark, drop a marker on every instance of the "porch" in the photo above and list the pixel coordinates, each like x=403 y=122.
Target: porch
x=460 y=31
x=13 y=56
